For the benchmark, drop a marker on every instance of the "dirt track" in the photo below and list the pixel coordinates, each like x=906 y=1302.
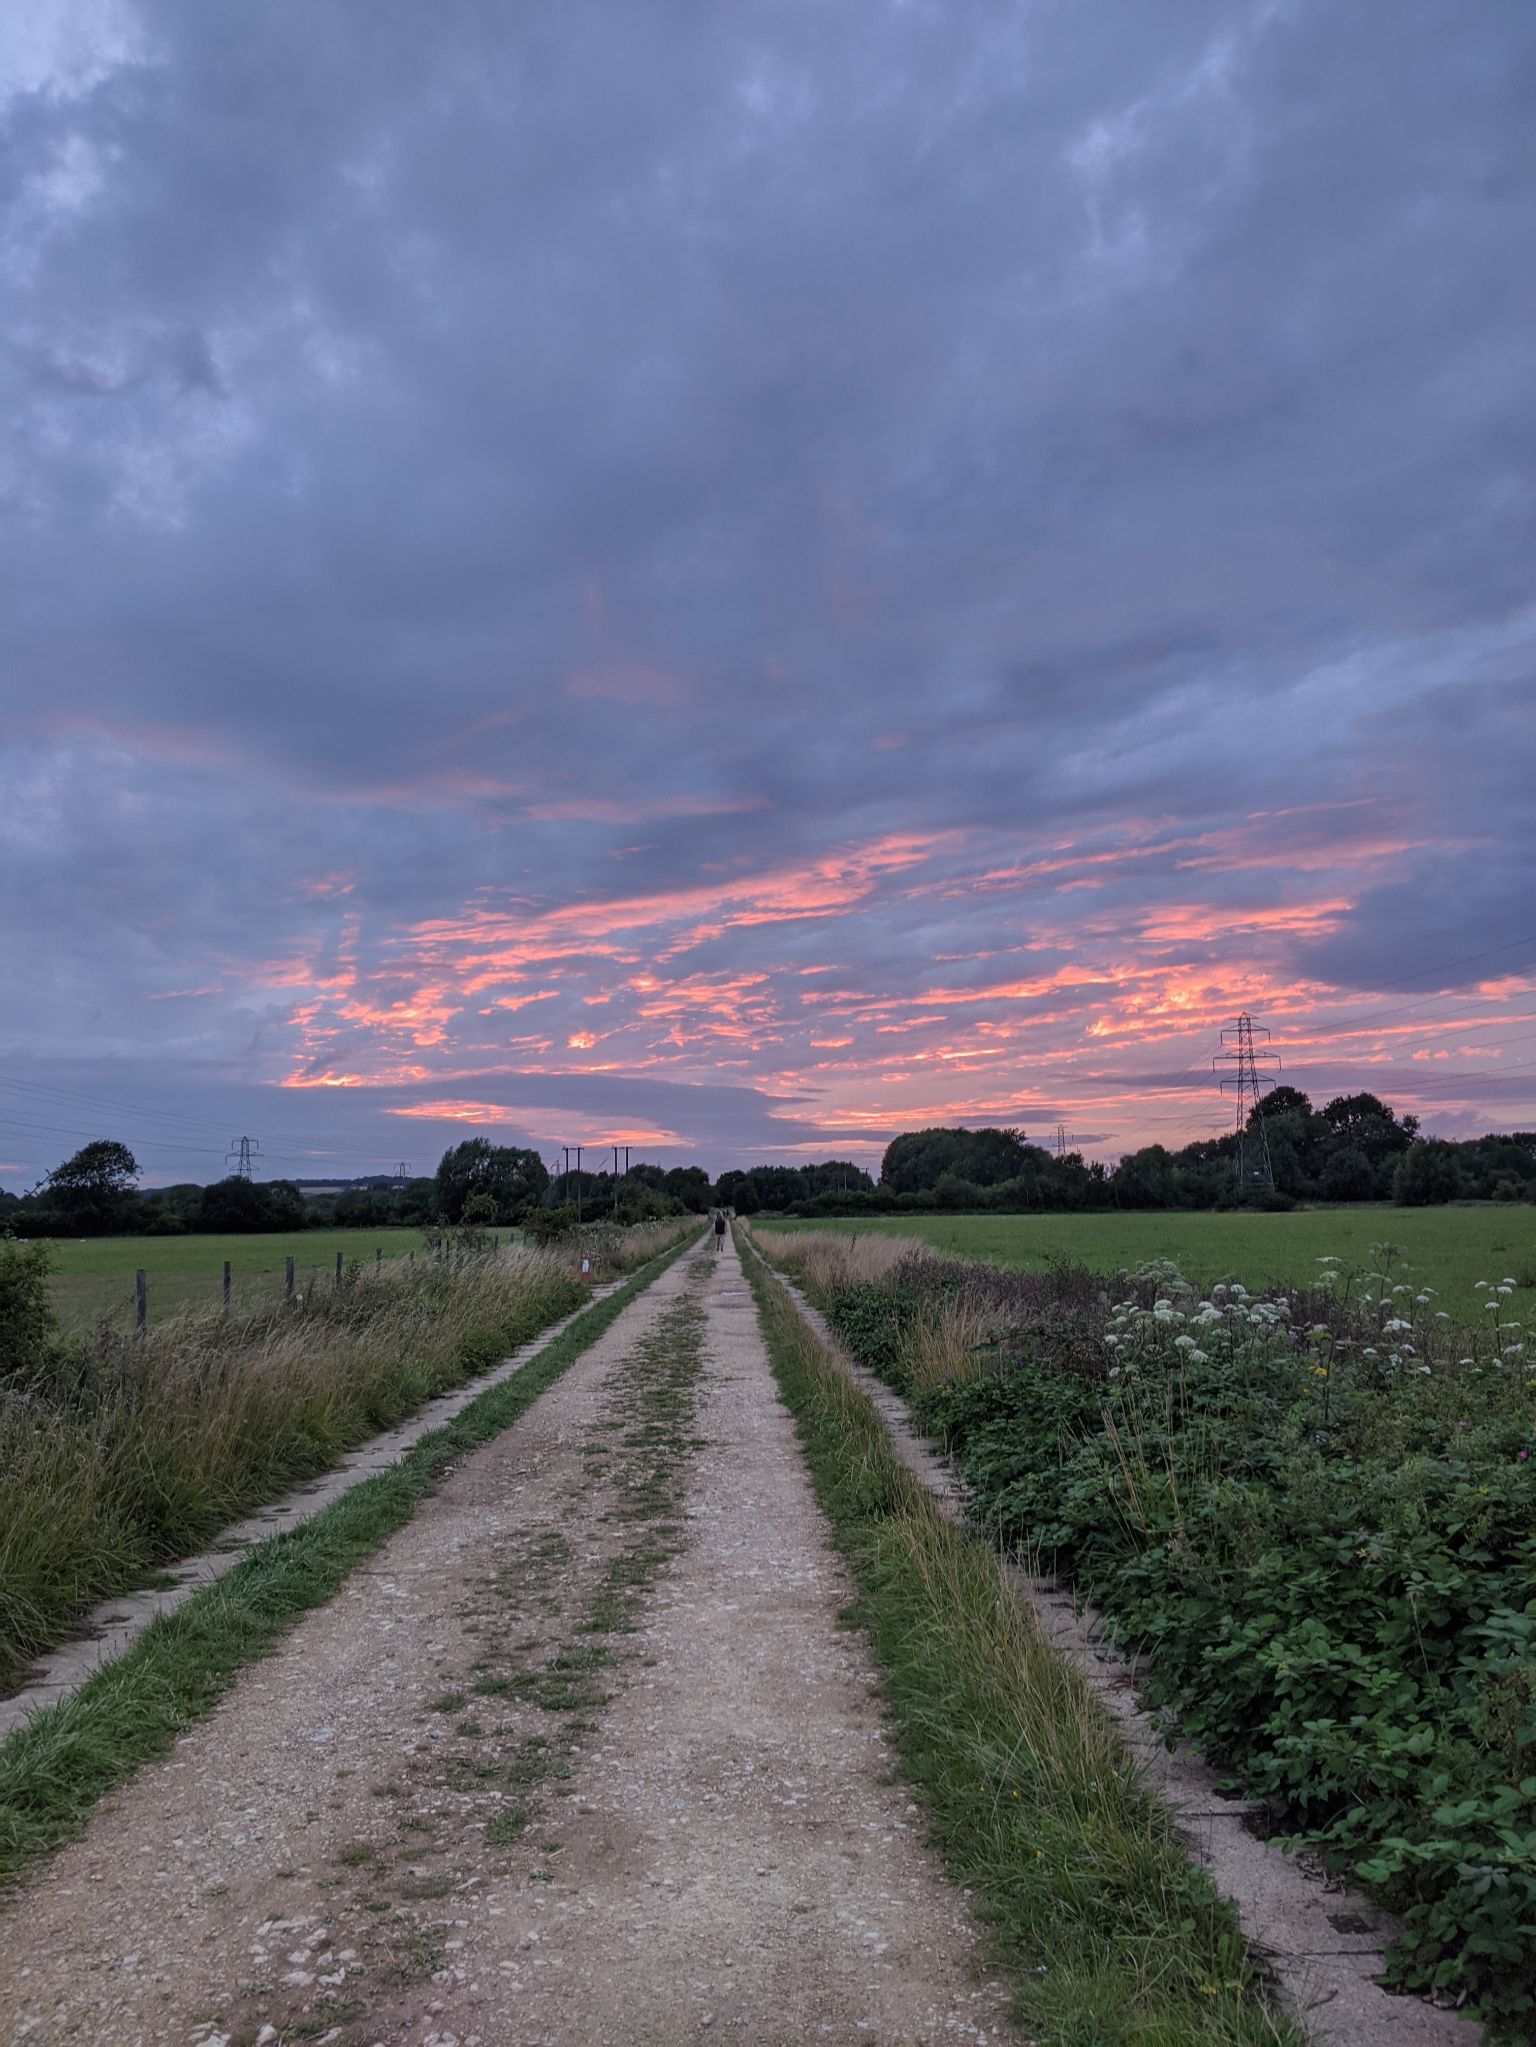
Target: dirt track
x=582 y=1756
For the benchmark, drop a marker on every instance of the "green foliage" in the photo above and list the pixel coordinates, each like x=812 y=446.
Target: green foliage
x=238 y=1205
x=1108 y=1935
x=871 y=1321
x=690 y=1185
x=93 y=1191
x=776 y=1189
x=918 y=1160
x=1315 y=1515
x=550 y=1225
x=29 y=1342
x=507 y=1177
x=1427 y=1173
x=642 y=1204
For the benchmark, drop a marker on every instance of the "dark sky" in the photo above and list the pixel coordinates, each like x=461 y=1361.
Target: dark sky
x=739 y=579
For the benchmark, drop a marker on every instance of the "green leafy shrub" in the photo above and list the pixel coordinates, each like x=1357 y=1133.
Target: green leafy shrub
x=1314 y=1513
x=29 y=1339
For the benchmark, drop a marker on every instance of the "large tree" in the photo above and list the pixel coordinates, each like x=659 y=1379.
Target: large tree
x=915 y=1163
x=511 y=1177
x=94 y=1191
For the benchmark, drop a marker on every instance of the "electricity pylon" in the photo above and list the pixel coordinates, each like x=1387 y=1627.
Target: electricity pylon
x=1242 y=1060
x=242 y=1150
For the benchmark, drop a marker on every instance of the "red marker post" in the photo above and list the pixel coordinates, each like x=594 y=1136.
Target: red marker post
x=586 y=1265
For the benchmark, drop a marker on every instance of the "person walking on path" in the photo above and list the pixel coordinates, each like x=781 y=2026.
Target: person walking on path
x=719 y=1230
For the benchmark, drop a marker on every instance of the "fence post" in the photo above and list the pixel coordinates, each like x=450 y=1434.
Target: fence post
x=226 y=1286
x=140 y=1301
x=288 y=1277
x=378 y=1262
x=338 y=1268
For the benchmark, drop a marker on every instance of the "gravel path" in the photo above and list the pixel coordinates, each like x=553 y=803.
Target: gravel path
x=582 y=1756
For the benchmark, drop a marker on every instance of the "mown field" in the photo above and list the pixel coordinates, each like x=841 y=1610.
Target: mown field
x=92 y=1278
x=1449 y=1249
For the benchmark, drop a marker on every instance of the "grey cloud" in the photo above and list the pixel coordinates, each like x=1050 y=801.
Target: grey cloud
x=1129 y=408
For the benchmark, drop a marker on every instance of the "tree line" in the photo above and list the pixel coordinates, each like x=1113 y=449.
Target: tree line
x=95 y=1193
x=1354 y=1148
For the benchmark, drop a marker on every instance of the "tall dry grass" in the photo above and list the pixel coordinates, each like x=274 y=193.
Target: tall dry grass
x=952 y=1336
x=950 y=1341
x=828 y=1261
x=131 y=1452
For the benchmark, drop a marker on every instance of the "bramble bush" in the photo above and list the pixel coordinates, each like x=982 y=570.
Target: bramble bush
x=1314 y=1512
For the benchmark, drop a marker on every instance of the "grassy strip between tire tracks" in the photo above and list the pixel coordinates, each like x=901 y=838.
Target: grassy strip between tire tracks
x=1111 y=1937
x=54 y=1769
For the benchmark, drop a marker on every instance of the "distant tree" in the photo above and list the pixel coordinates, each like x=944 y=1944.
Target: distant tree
x=1348 y=1176
x=548 y=1225
x=641 y=1204
x=1283 y=1101
x=512 y=1178
x=1146 y=1179
x=1367 y=1125
x=690 y=1185
x=93 y=1192
x=237 y=1205
x=1428 y=1172
x=915 y=1162
x=834 y=1176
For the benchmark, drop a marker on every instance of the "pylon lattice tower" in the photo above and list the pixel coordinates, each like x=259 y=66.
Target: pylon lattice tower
x=1061 y=1140
x=242 y=1151
x=1238 y=1064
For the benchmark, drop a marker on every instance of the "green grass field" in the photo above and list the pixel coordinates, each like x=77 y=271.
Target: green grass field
x=1449 y=1249
x=93 y=1278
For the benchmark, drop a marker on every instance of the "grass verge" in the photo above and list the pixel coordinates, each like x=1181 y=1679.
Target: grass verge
x=54 y=1769
x=1110 y=1935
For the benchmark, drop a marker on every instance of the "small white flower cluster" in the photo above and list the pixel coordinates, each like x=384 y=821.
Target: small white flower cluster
x=1229 y=1319
x=1499 y=1291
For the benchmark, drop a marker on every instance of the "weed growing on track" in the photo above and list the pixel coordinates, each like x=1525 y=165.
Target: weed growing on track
x=1111 y=1937
x=54 y=1769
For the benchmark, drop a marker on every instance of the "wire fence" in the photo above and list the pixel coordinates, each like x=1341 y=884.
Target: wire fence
x=124 y=1301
